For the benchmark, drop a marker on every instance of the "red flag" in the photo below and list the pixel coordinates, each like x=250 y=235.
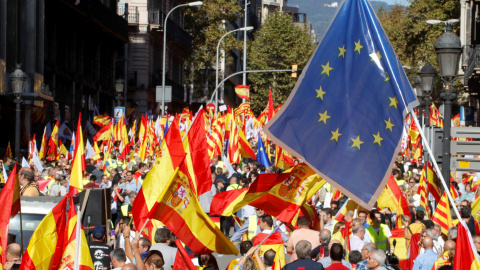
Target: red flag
x=465 y=257
x=182 y=260
x=270 y=105
x=10 y=198
x=198 y=161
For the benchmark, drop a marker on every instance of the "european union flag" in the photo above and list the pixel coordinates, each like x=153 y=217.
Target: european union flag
x=262 y=155
x=346 y=113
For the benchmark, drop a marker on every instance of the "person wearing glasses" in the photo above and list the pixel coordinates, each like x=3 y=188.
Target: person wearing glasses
x=376 y=260
x=466 y=215
x=367 y=250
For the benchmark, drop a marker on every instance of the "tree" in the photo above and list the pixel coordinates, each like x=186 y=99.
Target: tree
x=412 y=38
x=206 y=25
x=277 y=45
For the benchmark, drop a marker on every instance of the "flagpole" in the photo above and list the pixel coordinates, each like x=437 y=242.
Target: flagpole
x=435 y=164
x=21 y=226
x=76 y=265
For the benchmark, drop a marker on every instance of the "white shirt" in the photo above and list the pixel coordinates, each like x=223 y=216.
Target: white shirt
x=356 y=243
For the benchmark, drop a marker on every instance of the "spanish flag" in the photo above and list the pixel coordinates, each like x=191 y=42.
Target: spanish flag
x=68 y=258
x=105 y=133
x=197 y=159
x=465 y=256
x=43 y=146
x=78 y=164
x=53 y=142
x=159 y=176
x=393 y=198
x=44 y=251
x=442 y=214
x=101 y=120
x=243 y=91
x=433 y=183
x=10 y=198
x=281 y=195
x=182 y=259
x=245 y=149
x=224 y=202
x=178 y=208
x=476 y=209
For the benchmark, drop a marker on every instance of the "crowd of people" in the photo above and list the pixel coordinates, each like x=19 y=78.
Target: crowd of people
x=368 y=245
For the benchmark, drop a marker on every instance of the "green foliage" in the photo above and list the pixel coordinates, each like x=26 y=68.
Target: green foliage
x=277 y=45
x=412 y=38
x=207 y=25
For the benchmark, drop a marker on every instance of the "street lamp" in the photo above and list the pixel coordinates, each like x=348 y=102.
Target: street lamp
x=192 y=4
x=248 y=28
x=427 y=75
x=119 y=84
x=448 y=49
x=18 y=79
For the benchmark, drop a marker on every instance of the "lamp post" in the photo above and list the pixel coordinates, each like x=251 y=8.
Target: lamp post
x=192 y=4
x=418 y=91
x=119 y=84
x=216 y=66
x=427 y=76
x=18 y=79
x=448 y=49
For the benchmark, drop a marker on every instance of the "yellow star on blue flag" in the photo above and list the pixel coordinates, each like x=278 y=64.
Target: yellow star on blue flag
x=354 y=146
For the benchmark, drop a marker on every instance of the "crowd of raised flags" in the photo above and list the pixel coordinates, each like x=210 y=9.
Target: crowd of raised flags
x=342 y=154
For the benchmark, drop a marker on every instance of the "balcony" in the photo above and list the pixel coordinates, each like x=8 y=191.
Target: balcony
x=175 y=31
x=471 y=63
x=131 y=14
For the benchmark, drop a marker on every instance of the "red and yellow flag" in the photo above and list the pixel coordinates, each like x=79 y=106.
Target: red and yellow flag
x=101 y=120
x=393 y=198
x=84 y=259
x=422 y=191
x=158 y=177
x=274 y=242
x=442 y=214
x=433 y=183
x=44 y=251
x=243 y=91
x=224 y=202
x=465 y=255
x=53 y=142
x=245 y=149
x=105 y=133
x=43 y=146
x=197 y=159
x=78 y=164
x=178 y=208
x=182 y=259
x=10 y=198
x=233 y=145
x=281 y=195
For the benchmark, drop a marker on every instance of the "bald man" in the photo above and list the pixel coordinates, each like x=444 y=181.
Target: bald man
x=427 y=259
x=14 y=254
x=327 y=261
x=129 y=266
x=447 y=256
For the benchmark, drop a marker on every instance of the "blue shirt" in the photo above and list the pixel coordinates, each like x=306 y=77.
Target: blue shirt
x=133 y=186
x=425 y=261
x=362 y=265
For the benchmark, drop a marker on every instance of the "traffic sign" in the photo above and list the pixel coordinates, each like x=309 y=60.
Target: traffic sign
x=210 y=107
x=465 y=132
x=159 y=93
x=118 y=113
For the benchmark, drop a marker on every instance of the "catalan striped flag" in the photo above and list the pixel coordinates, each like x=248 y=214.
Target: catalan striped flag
x=197 y=159
x=178 y=208
x=465 y=256
x=215 y=139
x=10 y=198
x=422 y=191
x=44 y=251
x=158 y=177
x=433 y=182
x=233 y=144
x=442 y=214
